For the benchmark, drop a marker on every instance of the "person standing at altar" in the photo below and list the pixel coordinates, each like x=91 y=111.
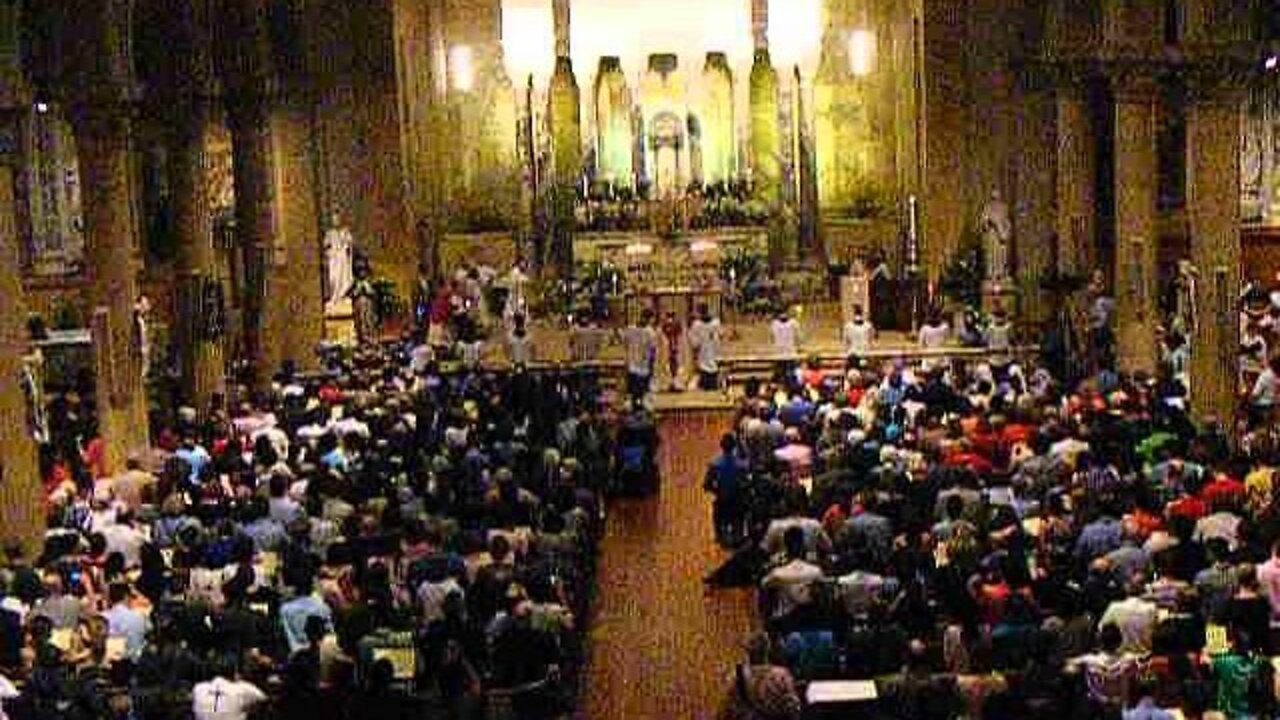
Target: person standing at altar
x=673 y=333
x=520 y=344
x=785 y=331
x=439 y=315
x=859 y=334
x=704 y=342
x=640 y=342
x=517 y=294
x=934 y=333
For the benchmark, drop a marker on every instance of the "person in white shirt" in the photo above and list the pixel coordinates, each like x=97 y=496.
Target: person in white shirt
x=789 y=586
x=704 y=340
x=640 y=341
x=1136 y=618
x=1265 y=392
x=520 y=343
x=858 y=335
x=934 y=333
x=225 y=697
x=786 y=336
x=8 y=691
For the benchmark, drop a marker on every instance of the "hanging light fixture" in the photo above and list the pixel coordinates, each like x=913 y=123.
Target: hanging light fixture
x=795 y=34
x=862 y=52
x=462 y=72
x=528 y=40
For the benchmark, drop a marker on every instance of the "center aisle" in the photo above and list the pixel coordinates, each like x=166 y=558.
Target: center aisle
x=660 y=646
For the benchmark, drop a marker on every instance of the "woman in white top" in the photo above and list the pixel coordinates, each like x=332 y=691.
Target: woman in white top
x=858 y=335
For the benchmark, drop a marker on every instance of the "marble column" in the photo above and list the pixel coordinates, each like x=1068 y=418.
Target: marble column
x=1213 y=209
x=103 y=141
x=269 y=115
x=256 y=222
x=561 y=18
x=200 y=311
x=21 y=492
x=1076 y=177
x=1134 y=272
x=279 y=231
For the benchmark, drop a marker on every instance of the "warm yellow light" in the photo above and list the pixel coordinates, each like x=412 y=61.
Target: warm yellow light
x=862 y=52
x=462 y=72
x=795 y=33
x=528 y=40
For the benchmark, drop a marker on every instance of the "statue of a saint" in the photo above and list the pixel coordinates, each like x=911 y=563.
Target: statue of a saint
x=997 y=234
x=1184 y=299
x=364 y=304
x=142 y=332
x=339 y=246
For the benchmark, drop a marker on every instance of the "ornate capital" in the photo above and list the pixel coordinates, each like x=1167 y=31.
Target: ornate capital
x=1071 y=77
x=94 y=61
x=1135 y=81
x=1220 y=80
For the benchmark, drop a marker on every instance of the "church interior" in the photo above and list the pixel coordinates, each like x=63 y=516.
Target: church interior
x=218 y=211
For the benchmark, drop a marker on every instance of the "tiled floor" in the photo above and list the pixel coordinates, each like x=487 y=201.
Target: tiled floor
x=662 y=647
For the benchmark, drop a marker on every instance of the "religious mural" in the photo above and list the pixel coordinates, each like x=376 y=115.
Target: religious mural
x=56 y=245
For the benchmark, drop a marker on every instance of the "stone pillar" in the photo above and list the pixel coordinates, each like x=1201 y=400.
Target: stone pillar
x=1213 y=209
x=102 y=133
x=276 y=215
x=96 y=79
x=1134 y=272
x=255 y=230
x=1076 y=177
x=200 y=311
x=21 y=491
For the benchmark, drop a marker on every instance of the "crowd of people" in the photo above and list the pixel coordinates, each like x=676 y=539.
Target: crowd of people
x=381 y=539
x=982 y=541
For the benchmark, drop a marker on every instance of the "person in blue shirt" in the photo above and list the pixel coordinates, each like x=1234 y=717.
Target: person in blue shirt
x=725 y=479
x=125 y=622
x=295 y=613
x=195 y=456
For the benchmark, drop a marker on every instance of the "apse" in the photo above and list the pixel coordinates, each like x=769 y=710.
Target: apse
x=635 y=29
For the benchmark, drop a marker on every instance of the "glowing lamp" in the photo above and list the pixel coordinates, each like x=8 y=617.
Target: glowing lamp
x=795 y=33
x=528 y=40
x=862 y=52
x=462 y=71
x=1272 y=63
x=637 y=249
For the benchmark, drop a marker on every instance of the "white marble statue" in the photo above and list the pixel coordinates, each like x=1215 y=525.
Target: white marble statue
x=339 y=249
x=997 y=235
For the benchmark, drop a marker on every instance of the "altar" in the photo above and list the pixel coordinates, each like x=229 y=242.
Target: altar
x=669 y=275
